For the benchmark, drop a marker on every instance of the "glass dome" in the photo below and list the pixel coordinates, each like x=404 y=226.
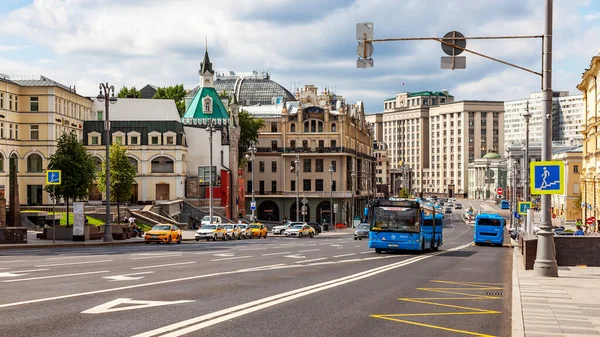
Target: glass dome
x=253 y=91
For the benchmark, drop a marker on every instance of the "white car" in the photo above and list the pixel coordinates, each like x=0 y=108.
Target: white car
x=281 y=229
x=233 y=231
x=300 y=230
x=206 y=220
x=211 y=232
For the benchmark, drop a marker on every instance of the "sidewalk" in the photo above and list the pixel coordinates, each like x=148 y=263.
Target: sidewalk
x=565 y=306
x=33 y=242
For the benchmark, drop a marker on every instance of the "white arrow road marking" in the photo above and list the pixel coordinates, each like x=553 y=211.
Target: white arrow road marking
x=128 y=277
x=72 y=263
x=134 y=304
x=296 y=256
x=308 y=250
x=19 y=273
x=56 y=276
x=280 y=253
x=337 y=245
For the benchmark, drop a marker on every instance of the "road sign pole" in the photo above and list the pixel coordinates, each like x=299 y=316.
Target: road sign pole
x=545 y=262
x=54 y=214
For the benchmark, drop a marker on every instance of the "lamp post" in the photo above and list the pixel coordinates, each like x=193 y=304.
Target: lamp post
x=332 y=214
x=210 y=128
x=297 y=170
x=251 y=156
x=353 y=175
x=107 y=95
x=527 y=116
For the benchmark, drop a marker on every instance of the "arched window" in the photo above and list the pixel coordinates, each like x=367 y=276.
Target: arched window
x=293 y=128
x=306 y=126
x=133 y=163
x=207 y=105
x=320 y=126
x=333 y=128
x=1 y=162
x=162 y=165
x=34 y=163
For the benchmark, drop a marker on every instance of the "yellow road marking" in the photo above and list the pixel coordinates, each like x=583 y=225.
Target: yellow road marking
x=435 y=327
x=416 y=300
x=441 y=314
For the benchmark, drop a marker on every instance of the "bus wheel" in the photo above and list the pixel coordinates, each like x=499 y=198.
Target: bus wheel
x=378 y=250
x=437 y=246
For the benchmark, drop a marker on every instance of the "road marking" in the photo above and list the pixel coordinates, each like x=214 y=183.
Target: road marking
x=308 y=250
x=249 y=249
x=295 y=256
x=154 y=257
x=367 y=252
x=350 y=254
x=128 y=277
x=165 y=265
x=56 y=276
x=72 y=263
x=110 y=306
x=73 y=257
x=13 y=261
x=319 y=259
x=203 y=253
x=225 y=254
x=337 y=245
x=269 y=254
x=231 y=258
x=207 y=320
x=19 y=273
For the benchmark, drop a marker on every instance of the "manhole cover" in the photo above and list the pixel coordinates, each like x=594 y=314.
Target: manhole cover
x=494 y=294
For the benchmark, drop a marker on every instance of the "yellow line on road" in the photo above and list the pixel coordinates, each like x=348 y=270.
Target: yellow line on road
x=435 y=327
x=441 y=314
x=416 y=300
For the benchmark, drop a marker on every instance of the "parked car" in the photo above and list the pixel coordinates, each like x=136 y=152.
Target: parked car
x=206 y=220
x=246 y=231
x=258 y=230
x=214 y=232
x=287 y=225
x=458 y=205
x=362 y=231
x=233 y=231
x=163 y=233
x=300 y=231
x=316 y=227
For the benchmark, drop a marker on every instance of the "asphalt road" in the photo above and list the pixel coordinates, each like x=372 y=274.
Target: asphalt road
x=325 y=286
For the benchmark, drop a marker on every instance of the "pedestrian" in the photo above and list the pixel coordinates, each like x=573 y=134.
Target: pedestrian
x=131 y=220
x=125 y=219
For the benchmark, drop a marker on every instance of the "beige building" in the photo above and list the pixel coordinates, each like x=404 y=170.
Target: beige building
x=34 y=112
x=485 y=175
x=567 y=205
x=590 y=169
x=151 y=131
x=323 y=132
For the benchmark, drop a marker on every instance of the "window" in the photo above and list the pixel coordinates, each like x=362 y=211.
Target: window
x=305 y=144
x=333 y=128
x=154 y=140
x=313 y=126
x=95 y=140
x=16 y=103
x=133 y=163
x=162 y=165
x=207 y=105
x=273 y=145
x=10 y=102
x=16 y=131
x=34 y=132
x=250 y=166
x=307 y=165
x=204 y=174
x=333 y=143
x=319 y=185
x=119 y=140
x=293 y=185
x=306 y=126
x=34 y=163
x=575 y=168
x=293 y=144
x=249 y=186
x=334 y=165
x=261 y=166
x=334 y=186
x=33 y=104
x=273 y=126
x=273 y=186
x=318 y=165
x=321 y=143
x=99 y=115
x=1 y=130
x=1 y=100
x=170 y=140
x=1 y=163
x=293 y=128
x=134 y=140
x=261 y=187
x=306 y=184
x=273 y=166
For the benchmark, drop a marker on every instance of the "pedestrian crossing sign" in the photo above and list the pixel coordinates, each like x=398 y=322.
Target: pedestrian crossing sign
x=523 y=207
x=547 y=177
x=53 y=177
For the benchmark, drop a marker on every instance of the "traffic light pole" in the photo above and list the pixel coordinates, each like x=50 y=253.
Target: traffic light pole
x=545 y=262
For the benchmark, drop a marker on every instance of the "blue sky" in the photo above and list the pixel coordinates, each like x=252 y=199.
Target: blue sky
x=136 y=42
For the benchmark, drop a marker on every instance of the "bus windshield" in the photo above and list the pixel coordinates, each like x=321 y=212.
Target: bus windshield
x=395 y=219
x=489 y=222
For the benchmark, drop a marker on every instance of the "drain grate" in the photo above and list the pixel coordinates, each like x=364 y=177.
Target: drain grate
x=494 y=294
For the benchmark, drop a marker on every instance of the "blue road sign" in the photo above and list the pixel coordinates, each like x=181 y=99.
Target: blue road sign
x=517 y=215
x=53 y=177
x=253 y=205
x=523 y=207
x=547 y=177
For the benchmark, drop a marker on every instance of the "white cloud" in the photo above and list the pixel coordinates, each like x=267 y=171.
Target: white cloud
x=135 y=42
x=10 y=48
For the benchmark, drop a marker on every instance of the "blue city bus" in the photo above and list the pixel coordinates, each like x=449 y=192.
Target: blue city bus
x=489 y=228
x=404 y=224
x=504 y=204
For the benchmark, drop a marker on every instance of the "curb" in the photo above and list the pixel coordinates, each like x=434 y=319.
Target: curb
x=62 y=245
x=518 y=329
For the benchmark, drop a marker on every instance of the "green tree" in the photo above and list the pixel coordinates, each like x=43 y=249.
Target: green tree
x=249 y=127
x=403 y=193
x=176 y=93
x=122 y=176
x=129 y=93
x=77 y=169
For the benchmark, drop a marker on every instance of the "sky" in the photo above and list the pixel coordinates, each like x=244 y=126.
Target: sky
x=139 y=42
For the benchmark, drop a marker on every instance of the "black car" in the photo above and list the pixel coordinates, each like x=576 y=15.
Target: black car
x=448 y=210
x=316 y=227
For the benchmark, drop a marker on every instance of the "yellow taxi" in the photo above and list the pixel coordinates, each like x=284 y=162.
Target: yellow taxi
x=246 y=231
x=163 y=233
x=300 y=230
x=211 y=231
x=258 y=230
x=233 y=231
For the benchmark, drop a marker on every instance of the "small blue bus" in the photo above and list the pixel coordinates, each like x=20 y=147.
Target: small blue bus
x=405 y=224
x=504 y=204
x=489 y=229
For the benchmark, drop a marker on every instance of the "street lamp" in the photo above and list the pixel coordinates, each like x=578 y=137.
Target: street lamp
x=331 y=213
x=296 y=168
x=251 y=156
x=210 y=128
x=527 y=116
x=353 y=175
x=106 y=95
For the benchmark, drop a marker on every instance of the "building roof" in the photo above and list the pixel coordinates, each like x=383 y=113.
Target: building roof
x=429 y=93
x=38 y=81
x=492 y=155
x=140 y=109
x=570 y=149
x=196 y=108
x=252 y=90
x=206 y=65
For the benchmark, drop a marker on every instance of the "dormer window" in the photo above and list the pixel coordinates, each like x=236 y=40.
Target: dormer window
x=207 y=104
